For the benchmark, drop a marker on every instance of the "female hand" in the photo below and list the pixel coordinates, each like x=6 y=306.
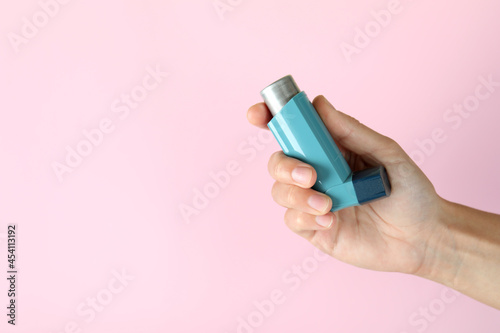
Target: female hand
x=413 y=231
x=390 y=234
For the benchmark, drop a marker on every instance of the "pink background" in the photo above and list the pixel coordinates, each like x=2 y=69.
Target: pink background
x=120 y=209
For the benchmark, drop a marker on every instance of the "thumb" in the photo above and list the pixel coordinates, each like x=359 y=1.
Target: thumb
x=356 y=137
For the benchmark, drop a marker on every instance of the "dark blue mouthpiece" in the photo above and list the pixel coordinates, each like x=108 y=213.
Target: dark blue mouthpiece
x=371 y=184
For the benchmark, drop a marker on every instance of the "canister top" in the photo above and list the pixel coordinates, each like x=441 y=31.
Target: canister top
x=277 y=94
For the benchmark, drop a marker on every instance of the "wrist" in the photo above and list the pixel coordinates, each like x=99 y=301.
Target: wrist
x=463 y=252
x=445 y=247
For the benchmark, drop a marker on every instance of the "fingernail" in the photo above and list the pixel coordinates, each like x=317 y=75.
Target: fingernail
x=318 y=202
x=302 y=175
x=325 y=220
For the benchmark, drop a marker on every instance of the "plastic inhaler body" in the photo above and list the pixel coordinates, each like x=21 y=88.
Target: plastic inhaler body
x=302 y=135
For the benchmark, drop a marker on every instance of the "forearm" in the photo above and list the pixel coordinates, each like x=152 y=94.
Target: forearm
x=464 y=252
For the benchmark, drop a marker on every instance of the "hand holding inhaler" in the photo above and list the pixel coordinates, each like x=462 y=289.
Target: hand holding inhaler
x=302 y=135
x=331 y=170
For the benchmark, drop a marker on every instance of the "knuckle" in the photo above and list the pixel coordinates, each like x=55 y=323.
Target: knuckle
x=291 y=195
x=270 y=164
x=274 y=164
x=300 y=220
x=355 y=121
x=289 y=217
x=393 y=145
x=292 y=220
x=278 y=169
x=393 y=150
x=274 y=190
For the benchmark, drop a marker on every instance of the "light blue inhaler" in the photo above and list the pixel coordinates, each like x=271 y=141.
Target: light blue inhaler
x=302 y=135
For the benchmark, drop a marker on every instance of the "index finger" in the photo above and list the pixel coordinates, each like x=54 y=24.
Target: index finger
x=259 y=115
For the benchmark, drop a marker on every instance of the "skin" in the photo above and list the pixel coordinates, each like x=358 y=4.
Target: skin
x=414 y=231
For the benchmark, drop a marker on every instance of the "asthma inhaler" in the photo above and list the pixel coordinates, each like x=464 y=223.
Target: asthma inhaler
x=302 y=135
